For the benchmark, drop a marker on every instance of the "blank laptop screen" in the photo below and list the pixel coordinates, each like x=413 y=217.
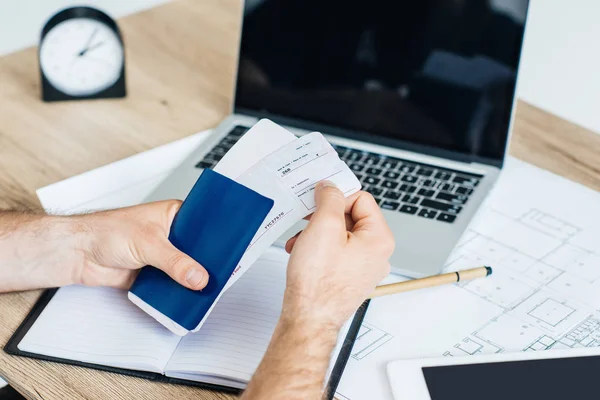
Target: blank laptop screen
x=439 y=73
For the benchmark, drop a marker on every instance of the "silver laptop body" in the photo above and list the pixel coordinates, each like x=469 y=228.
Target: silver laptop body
x=440 y=130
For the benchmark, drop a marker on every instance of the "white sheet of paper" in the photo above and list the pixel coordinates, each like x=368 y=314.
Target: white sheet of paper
x=540 y=233
x=262 y=139
x=123 y=183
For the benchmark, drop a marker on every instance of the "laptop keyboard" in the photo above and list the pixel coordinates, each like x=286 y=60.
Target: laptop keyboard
x=410 y=187
x=214 y=156
x=397 y=185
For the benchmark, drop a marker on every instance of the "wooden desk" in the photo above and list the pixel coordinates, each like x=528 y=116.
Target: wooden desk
x=180 y=65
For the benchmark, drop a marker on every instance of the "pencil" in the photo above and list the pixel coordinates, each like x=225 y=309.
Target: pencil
x=431 y=281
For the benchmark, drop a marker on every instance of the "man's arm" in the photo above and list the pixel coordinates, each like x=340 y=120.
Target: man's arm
x=105 y=248
x=33 y=247
x=295 y=363
x=335 y=264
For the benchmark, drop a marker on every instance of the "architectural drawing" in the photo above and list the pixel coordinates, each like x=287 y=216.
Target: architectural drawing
x=544 y=285
x=544 y=293
x=369 y=339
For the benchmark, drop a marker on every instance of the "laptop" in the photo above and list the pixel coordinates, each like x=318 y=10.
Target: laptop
x=417 y=97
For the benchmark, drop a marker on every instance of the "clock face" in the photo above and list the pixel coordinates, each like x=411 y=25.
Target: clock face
x=81 y=57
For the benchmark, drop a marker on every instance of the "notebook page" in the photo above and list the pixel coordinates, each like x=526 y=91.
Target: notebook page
x=100 y=326
x=232 y=342
x=235 y=336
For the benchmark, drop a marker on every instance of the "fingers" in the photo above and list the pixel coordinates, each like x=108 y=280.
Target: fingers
x=349 y=202
x=289 y=245
x=331 y=206
x=179 y=266
x=369 y=222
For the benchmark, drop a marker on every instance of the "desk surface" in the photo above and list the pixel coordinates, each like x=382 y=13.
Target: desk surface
x=180 y=68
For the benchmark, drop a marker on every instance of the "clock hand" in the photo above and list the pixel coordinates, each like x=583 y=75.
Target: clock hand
x=87 y=45
x=83 y=52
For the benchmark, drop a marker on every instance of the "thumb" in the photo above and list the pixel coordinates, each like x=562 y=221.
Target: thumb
x=331 y=206
x=178 y=265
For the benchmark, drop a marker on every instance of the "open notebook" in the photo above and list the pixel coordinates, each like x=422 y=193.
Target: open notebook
x=101 y=328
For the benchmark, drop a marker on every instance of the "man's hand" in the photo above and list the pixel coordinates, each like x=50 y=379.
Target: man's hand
x=335 y=264
x=99 y=249
x=339 y=258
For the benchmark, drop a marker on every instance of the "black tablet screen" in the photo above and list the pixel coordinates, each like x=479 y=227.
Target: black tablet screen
x=561 y=378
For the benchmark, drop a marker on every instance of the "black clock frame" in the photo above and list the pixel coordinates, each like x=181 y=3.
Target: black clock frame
x=51 y=93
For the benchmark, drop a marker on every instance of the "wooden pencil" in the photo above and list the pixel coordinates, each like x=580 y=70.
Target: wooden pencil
x=431 y=281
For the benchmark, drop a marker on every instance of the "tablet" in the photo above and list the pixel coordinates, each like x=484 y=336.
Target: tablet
x=548 y=375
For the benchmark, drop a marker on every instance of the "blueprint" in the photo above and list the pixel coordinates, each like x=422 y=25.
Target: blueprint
x=541 y=235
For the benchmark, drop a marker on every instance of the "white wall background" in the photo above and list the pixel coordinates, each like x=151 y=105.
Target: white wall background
x=560 y=68
x=561 y=63
x=21 y=20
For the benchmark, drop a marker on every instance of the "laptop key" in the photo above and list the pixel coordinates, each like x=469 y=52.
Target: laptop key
x=391 y=175
x=464 y=180
x=375 y=191
x=430 y=214
x=389 y=184
x=446 y=217
x=372 y=159
x=408 y=188
x=428 y=182
x=214 y=157
x=448 y=187
x=408 y=209
x=359 y=176
x=408 y=168
x=374 y=171
x=392 y=195
x=444 y=176
x=411 y=199
x=452 y=198
x=357 y=167
x=371 y=180
x=437 y=205
x=204 y=165
x=353 y=155
x=389 y=164
x=463 y=190
x=239 y=130
x=220 y=149
x=409 y=178
x=426 y=192
x=424 y=171
x=390 y=205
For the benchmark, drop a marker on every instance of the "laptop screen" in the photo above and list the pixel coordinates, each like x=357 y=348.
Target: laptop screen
x=439 y=73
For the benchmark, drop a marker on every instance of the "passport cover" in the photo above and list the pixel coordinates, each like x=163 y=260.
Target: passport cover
x=214 y=226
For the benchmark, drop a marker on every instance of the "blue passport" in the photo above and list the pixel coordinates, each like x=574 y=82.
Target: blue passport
x=214 y=226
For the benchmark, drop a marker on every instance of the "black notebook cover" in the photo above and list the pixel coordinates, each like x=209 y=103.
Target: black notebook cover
x=13 y=342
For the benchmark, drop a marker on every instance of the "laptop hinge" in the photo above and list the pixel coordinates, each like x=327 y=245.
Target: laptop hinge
x=370 y=138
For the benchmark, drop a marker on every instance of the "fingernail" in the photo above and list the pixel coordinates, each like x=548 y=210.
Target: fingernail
x=194 y=277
